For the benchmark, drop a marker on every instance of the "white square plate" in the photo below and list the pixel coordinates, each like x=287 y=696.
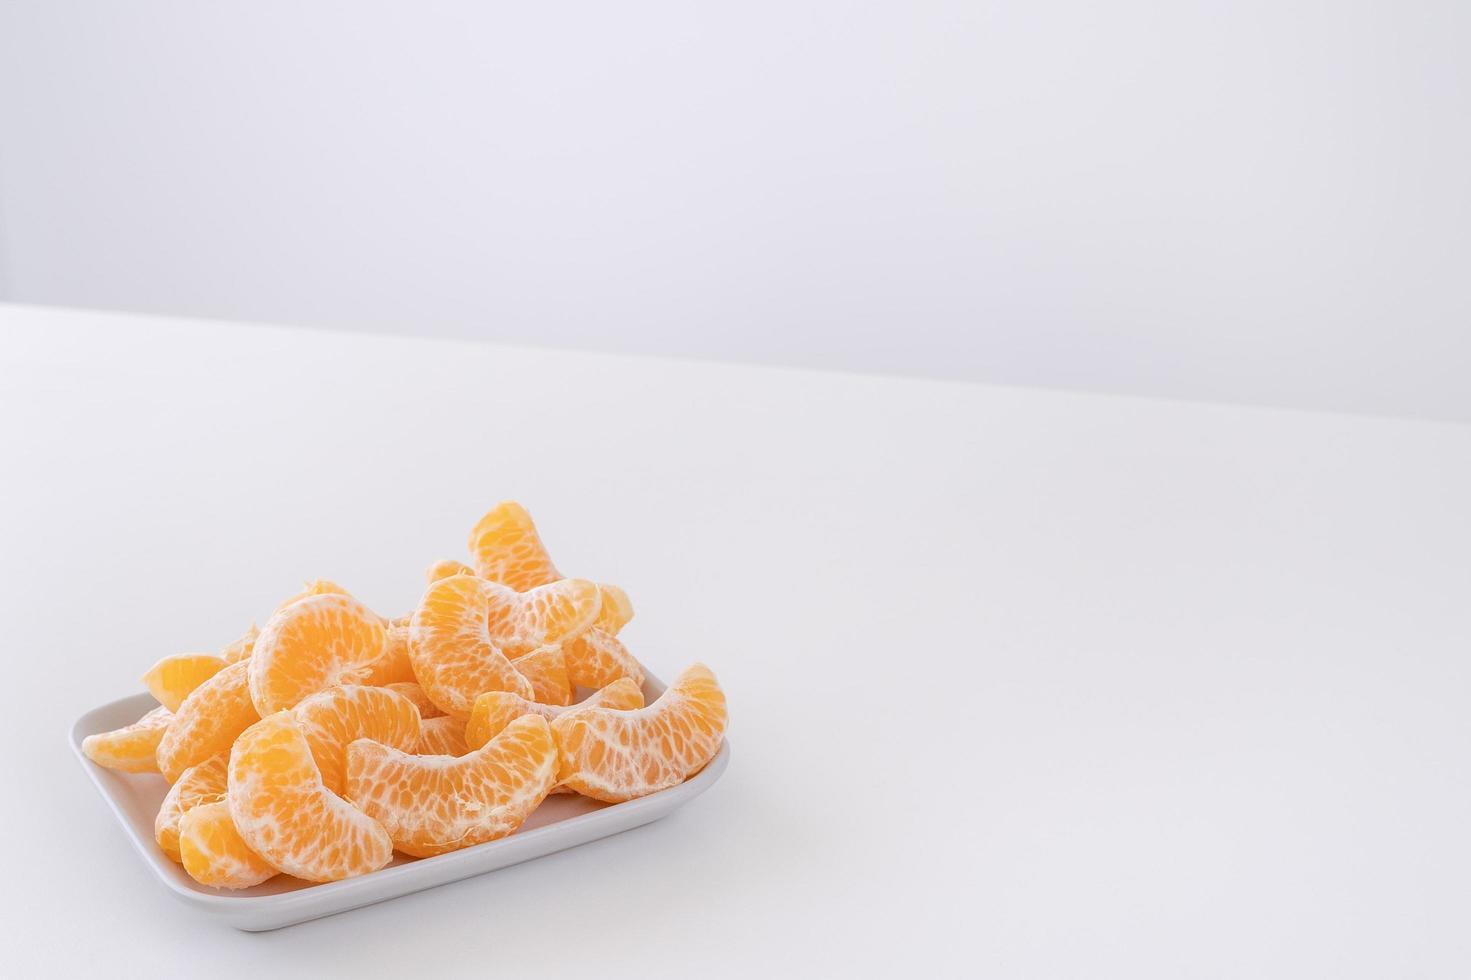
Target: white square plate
x=559 y=823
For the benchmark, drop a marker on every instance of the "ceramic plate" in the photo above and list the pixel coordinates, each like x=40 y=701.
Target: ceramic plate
x=559 y=823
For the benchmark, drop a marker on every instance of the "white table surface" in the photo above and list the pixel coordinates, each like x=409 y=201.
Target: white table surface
x=1022 y=683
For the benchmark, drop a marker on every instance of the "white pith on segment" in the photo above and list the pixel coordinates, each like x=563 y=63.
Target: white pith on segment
x=616 y=755
x=450 y=647
x=200 y=784
x=208 y=721
x=549 y=615
x=506 y=547
x=597 y=658
x=213 y=852
x=287 y=816
x=338 y=716
x=430 y=804
x=494 y=710
x=442 y=736
x=132 y=748
x=310 y=645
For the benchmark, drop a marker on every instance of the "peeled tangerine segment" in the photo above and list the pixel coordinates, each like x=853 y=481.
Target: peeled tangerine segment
x=393 y=667
x=427 y=709
x=548 y=615
x=310 y=645
x=614 y=755
x=285 y=814
x=431 y=804
x=446 y=567
x=213 y=852
x=615 y=609
x=208 y=721
x=546 y=671
x=506 y=548
x=132 y=748
x=597 y=658
x=442 y=736
x=241 y=648
x=172 y=678
x=333 y=718
x=201 y=784
x=494 y=710
x=453 y=654
x=317 y=586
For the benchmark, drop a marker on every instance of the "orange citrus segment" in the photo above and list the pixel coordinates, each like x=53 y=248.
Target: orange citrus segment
x=172 y=678
x=495 y=710
x=286 y=815
x=319 y=586
x=445 y=568
x=208 y=721
x=310 y=645
x=431 y=804
x=453 y=655
x=333 y=718
x=393 y=667
x=597 y=658
x=616 y=755
x=427 y=709
x=546 y=671
x=548 y=615
x=615 y=610
x=132 y=748
x=204 y=783
x=240 y=649
x=506 y=548
x=213 y=852
x=442 y=736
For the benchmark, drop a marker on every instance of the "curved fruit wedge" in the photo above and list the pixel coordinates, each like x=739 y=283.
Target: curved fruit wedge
x=333 y=718
x=597 y=658
x=317 y=586
x=616 y=755
x=285 y=814
x=494 y=710
x=453 y=655
x=431 y=804
x=204 y=783
x=506 y=548
x=615 y=609
x=427 y=709
x=208 y=721
x=133 y=748
x=240 y=649
x=509 y=552
x=546 y=671
x=446 y=567
x=442 y=736
x=393 y=667
x=310 y=645
x=213 y=852
x=548 y=615
x=172 y=678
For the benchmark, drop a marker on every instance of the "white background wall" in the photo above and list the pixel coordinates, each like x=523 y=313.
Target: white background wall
x=1255 y=201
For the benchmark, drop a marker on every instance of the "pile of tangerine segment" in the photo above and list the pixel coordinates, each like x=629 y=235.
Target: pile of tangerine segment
x=332 y=737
